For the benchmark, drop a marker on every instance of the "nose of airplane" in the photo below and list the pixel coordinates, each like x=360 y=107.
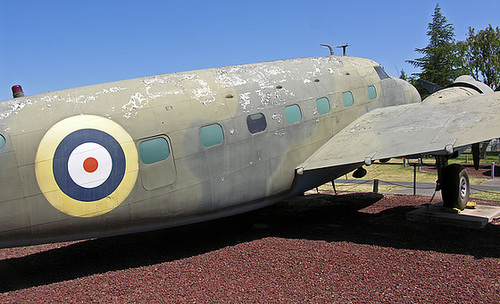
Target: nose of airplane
x=413 y=94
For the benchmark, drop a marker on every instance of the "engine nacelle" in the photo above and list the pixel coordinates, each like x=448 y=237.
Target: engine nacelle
x=464 y=85
x=470 y=82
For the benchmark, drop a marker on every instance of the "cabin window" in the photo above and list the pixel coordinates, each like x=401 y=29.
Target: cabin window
x=154 y=150
x=372 y=93
x=256 y=123
x=211 y=135
x=323 y=105
x=381 y=73
x=2 y=142
x=293 y=114
x=347 y=99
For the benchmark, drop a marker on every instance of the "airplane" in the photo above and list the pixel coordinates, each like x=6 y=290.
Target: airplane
x=174 y=149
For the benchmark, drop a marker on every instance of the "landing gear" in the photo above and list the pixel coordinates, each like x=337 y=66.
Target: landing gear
x=455 y=186
x=453 y=181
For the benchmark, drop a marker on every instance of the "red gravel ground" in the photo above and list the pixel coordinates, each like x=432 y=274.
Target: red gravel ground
x=352 y=247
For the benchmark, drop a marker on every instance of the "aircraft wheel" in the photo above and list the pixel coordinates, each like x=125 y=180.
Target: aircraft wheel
x=455 y=186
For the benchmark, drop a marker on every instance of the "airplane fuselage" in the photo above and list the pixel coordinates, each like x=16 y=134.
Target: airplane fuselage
x=174 y=149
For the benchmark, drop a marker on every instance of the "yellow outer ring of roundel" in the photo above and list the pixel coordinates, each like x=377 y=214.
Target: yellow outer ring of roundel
x=44 y=165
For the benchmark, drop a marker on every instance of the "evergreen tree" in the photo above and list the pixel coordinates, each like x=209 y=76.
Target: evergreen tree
x=439 y=62
x=403 y=75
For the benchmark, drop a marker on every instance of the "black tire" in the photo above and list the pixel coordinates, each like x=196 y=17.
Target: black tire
x=455 y=187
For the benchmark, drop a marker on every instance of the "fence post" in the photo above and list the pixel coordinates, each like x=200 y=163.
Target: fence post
x=375 y=185
x=414 y=179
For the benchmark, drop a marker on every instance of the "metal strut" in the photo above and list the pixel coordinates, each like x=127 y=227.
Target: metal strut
x=441 y=163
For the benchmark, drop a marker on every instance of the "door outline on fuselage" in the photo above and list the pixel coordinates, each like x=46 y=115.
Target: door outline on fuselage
x=156 y=170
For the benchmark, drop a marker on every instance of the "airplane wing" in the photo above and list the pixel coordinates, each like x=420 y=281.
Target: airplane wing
x=440 y=125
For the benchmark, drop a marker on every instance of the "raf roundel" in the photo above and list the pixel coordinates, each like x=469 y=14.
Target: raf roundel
x=86 y=165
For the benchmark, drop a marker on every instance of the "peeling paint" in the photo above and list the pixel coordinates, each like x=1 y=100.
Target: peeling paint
x=203 y=93
x=278 y=117
x=265 y=98
x=245 y=100
x=182 y=84
x=136 y=102
x=15 y=105
x=280 y=132
x=193 y=85
x=80 y=99
x=230 y=77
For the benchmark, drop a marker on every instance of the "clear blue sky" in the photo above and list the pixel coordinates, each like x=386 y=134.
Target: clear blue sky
x=52 y=45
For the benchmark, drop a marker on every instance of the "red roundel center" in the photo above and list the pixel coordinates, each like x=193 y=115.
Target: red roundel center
x=90 y=165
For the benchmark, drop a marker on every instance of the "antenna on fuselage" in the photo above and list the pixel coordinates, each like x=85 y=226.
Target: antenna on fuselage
x=329 y=47
x=344 y=48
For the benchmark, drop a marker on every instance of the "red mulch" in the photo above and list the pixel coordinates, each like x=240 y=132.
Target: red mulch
x=354 y=247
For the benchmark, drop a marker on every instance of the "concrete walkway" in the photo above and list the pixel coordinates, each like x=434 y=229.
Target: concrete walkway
x=426 y=189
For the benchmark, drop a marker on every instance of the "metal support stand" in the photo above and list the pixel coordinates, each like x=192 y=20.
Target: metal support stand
x=333 y=185
x=415 y=165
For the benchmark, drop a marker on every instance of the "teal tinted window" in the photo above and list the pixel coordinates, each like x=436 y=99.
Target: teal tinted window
x=154 y=150
x=211 y=135
x=2 y=141
x=372 y=93
x=256 y=123
x=323 y=105
x=347 y=99
x=293 y=114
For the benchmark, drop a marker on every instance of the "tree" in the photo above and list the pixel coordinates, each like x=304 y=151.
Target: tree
x=481 y=55
x=403 y=75
x=440 y=60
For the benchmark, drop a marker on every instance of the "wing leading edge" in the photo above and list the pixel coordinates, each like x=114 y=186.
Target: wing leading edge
x=440 y=125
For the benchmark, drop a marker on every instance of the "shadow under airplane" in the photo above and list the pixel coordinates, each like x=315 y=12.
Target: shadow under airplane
x=352 y=217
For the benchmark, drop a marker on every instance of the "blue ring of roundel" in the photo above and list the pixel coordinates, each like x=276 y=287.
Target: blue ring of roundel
x=60 y=165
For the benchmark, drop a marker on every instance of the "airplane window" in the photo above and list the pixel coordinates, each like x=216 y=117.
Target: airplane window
x=381 y=73
x=256 y=123
x=372 y=93
x=2 y=141
x=323 y=105
x=293 y=114
x=347 y=99
x=211 y=135
x=154 y=150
